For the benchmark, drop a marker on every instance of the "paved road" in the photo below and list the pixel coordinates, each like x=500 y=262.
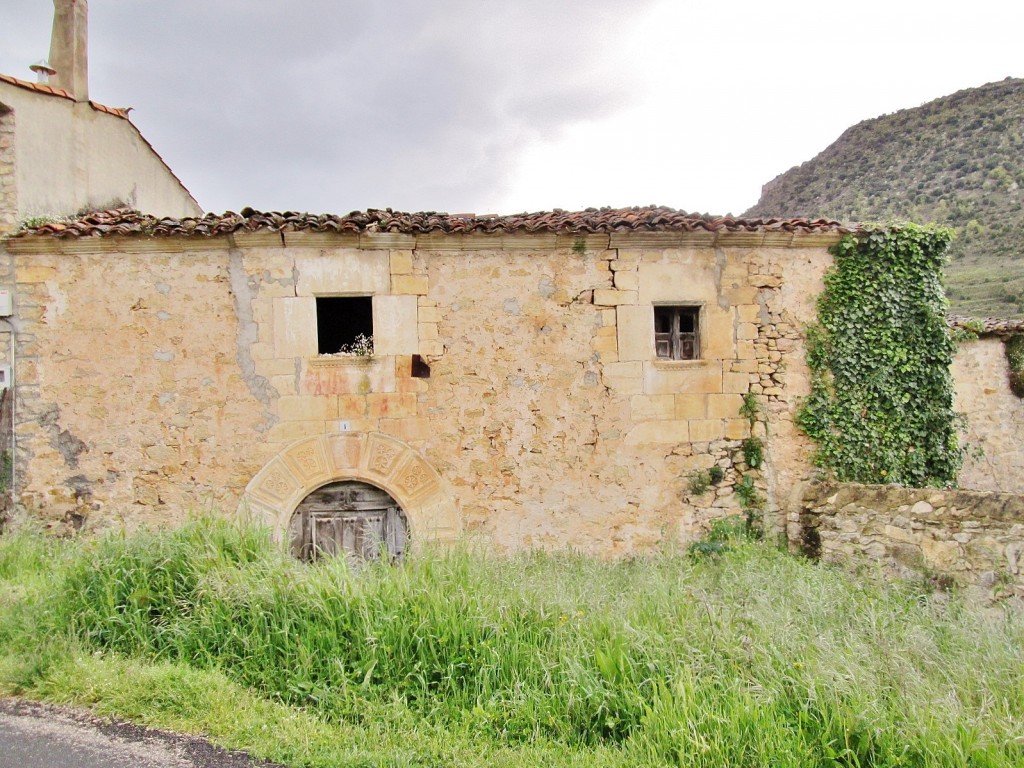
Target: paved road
x=41 y=736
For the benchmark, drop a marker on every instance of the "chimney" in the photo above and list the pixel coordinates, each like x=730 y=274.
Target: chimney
x=69 y=51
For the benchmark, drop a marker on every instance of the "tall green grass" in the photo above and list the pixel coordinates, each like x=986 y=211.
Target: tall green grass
x=750 y=658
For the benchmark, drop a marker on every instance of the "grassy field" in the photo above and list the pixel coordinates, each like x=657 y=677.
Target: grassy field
x=748 y=658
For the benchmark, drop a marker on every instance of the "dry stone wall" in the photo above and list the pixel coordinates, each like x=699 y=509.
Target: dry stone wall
x=970 y=537
x=158 y=376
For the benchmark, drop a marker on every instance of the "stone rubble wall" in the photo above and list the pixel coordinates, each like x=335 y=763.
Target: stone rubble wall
x=8 y=179
x=787 y=310
x=994 y=416
x=971 y=537
x=161 y=376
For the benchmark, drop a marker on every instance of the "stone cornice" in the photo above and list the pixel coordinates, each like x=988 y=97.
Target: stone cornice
x=588 y=243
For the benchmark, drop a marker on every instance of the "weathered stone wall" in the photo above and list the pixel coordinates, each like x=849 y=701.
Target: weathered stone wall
x=971 y=537
x=8 y=221
x=131 y=400
x=787 y=310
x=162 y=375
x=995 y=417
x=8 y=179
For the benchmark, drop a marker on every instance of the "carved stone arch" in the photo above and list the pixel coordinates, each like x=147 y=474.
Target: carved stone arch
x=380 y=460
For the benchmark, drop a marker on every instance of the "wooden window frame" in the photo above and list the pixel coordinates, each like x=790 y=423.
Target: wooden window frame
x=681 y=341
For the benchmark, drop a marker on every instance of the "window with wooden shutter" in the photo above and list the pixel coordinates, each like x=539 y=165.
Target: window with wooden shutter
x=677 y=332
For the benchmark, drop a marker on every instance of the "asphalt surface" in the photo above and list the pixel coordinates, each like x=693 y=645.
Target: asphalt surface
x=42 y=736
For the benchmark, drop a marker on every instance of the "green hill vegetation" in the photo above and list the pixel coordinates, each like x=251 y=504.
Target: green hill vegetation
x=957 y=161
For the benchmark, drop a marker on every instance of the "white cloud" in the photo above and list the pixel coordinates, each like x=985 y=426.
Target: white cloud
x=469 y=105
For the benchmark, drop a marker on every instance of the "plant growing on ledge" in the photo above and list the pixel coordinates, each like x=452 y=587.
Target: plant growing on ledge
x=881 y=402
x=702 y=480
x=361 y=346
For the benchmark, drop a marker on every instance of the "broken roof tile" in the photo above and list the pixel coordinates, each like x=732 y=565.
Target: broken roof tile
x=52 y=91
x=986 y=326
x=121 y=222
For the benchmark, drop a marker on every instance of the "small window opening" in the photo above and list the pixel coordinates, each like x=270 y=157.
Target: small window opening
x=677 y=333
x=344 y=324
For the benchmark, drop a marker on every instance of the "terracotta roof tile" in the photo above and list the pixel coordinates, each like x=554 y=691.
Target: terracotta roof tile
x=987 y=326
x=592 y=220
x=49 y=89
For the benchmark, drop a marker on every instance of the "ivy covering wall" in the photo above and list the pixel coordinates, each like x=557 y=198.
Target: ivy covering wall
x=881 y=402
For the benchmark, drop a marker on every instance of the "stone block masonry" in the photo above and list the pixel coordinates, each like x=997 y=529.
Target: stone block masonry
x=162 y=375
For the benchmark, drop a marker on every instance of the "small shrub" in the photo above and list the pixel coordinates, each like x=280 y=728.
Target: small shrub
x=751 y=409
x=752 y=502
x=974 y=325
x=700 y=482
x=720 y=538
x=753 y=452
x=6 y=471
x=747 y=493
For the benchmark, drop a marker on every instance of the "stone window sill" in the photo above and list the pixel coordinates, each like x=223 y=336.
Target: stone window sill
x=342 y=361
x=675 y=365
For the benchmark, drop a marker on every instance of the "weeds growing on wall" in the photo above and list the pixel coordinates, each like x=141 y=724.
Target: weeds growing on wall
x=881 y=403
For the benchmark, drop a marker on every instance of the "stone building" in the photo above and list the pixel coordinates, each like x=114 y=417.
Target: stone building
x=550 y=380
x=607 y=380
x=61 y=153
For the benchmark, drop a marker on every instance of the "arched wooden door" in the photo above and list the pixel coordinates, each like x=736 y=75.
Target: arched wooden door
x=348 y=518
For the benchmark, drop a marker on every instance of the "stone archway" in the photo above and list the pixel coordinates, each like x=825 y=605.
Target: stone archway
x=380 y=460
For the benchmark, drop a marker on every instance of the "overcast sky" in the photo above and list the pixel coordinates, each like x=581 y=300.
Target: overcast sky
x=522 y=105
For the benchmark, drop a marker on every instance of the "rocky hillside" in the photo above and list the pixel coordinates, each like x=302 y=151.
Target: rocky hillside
x=958 y=160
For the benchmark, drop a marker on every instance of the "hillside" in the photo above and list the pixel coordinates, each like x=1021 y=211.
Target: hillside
x=958 y=160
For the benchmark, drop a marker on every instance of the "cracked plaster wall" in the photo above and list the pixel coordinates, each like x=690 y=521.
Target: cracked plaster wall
x=71 y=157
